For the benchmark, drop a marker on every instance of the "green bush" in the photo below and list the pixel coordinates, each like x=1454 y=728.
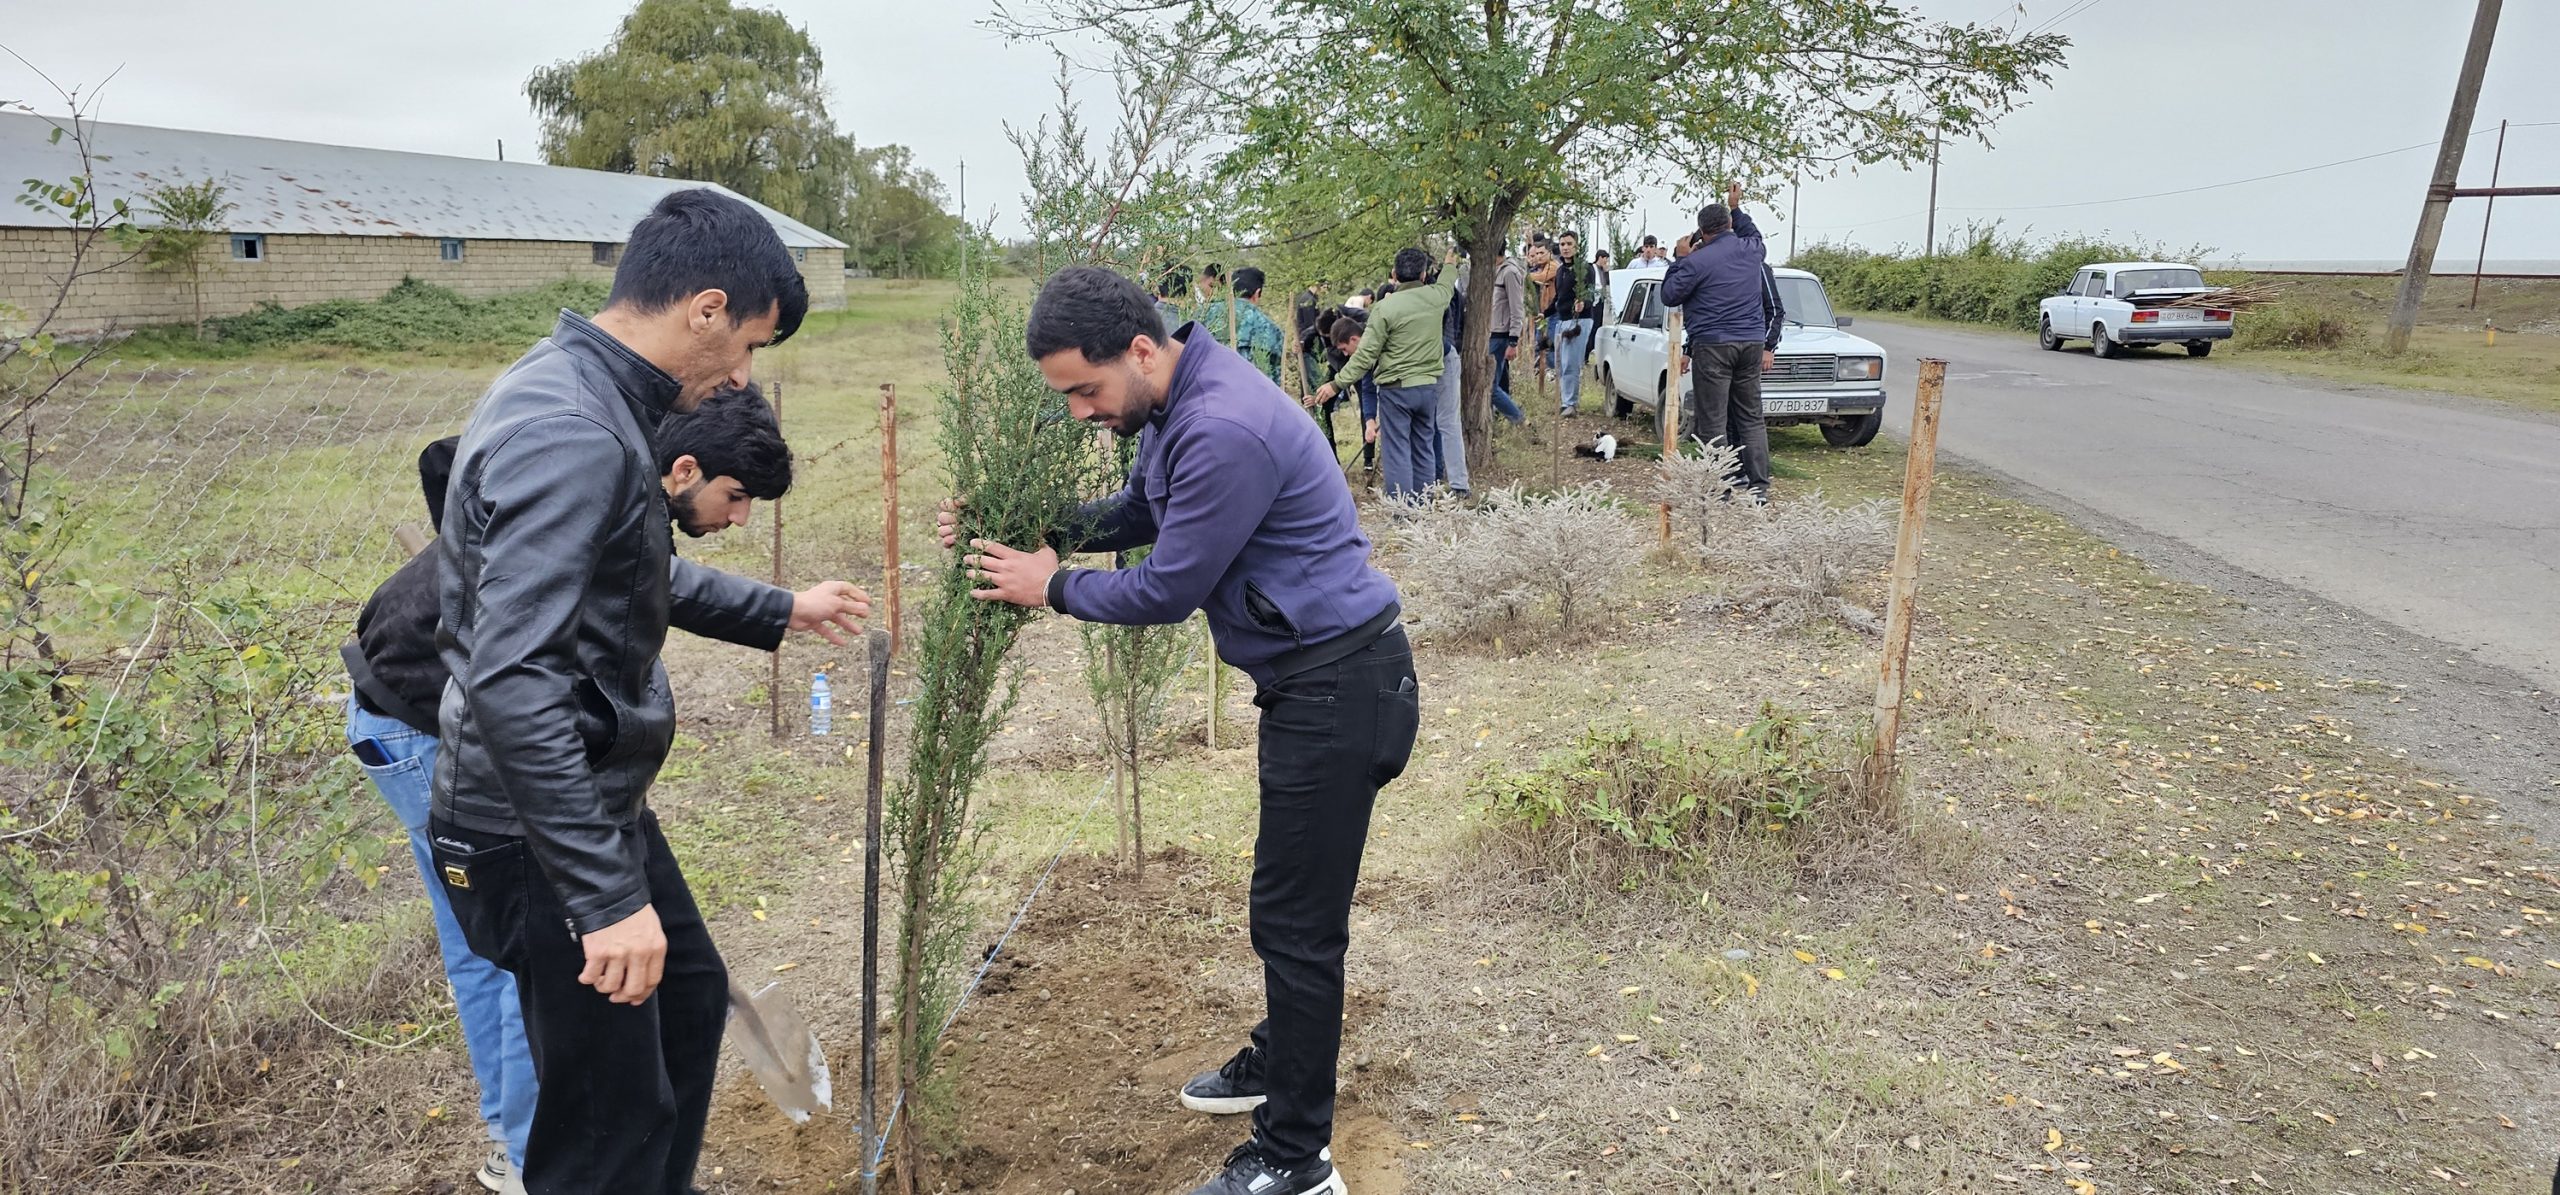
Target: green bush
x=411 y=316
x=1985 y=279
x=1621 y=797
x=2298 y=325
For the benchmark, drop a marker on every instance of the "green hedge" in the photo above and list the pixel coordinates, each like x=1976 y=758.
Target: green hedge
x=413 y=315
x=1990 y=280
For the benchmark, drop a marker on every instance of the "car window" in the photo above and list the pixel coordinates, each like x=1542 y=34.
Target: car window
x=1805 y=301
x=2130 y=281
x=1638 y=296
x=2094 y=283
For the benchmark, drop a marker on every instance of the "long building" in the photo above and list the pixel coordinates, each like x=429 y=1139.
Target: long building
x=313 y=222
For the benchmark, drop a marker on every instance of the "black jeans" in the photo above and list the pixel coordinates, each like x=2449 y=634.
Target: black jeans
x=1724 y=396
x=1330 y=737
x=623 y=1089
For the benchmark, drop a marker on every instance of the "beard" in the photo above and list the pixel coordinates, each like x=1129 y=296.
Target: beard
x=1144 y=400
x=681 y=507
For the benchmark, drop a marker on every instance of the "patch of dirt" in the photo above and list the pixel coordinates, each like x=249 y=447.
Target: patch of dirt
x=1114 y=992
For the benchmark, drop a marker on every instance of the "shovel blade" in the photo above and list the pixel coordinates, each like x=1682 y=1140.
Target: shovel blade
x=781 y=1052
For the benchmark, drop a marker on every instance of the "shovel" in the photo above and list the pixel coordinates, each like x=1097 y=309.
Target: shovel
x=780 y=1050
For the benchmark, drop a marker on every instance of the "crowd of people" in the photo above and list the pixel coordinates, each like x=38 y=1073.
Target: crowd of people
x=1392 y=353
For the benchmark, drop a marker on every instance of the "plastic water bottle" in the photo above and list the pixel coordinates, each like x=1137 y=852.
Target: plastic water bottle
x=822 y=705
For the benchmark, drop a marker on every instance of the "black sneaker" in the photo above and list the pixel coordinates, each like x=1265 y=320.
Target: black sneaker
x=1249 y=1173
x=1235 y=1087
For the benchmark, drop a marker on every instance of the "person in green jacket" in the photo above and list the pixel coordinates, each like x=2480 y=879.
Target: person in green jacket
x=1402 y=350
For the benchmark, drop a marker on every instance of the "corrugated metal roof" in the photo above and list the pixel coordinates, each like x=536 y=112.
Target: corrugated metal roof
x=340 y=190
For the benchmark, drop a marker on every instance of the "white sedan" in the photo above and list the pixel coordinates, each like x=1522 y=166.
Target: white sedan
x=1824 y=375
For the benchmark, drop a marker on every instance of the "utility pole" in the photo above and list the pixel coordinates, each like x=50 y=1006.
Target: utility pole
x=964 y=217
x=1933 y=192
x=2495 y=163
x=2457 y=134
x=1795 y=201
x=502 y=149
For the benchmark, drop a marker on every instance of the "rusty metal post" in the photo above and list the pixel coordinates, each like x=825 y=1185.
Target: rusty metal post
x=1920 y=472
x=889 y=509
x=773 y=683
x=871 y=1136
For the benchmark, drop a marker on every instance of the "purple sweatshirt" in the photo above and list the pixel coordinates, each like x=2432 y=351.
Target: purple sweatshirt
x=1251 y=522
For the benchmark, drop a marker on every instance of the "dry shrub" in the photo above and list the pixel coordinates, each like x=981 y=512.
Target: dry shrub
x=1622 y=803
x=1797 y=557
x=2298 y=325
x=1700 y=489
x=1471 y=568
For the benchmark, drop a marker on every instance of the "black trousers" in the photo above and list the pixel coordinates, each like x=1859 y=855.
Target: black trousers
x=1330 y=737
x=1724 y=395
x=624 y=1089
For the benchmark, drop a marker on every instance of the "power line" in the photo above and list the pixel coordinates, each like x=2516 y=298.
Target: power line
x=2044 y=207
x=2067 y=14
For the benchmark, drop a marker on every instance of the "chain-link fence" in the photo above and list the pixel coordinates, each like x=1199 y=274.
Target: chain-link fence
x=180 y=833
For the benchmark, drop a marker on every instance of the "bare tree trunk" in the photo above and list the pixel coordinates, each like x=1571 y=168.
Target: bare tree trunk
x=1475 y=358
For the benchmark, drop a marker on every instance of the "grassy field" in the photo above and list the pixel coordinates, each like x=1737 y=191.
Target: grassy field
x=2160 y=918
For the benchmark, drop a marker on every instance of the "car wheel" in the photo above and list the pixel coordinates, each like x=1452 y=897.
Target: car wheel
x=2100 y=344
x=2200 y=348
x=2045 y=338
x=1619 y=407
x=1853 y=433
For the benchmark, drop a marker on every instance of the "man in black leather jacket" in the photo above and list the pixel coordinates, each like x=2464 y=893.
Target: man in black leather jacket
x=716 y=463
x=554 y=596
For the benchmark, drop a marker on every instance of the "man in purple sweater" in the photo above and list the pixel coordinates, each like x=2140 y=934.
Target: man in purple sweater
x=1251 y=523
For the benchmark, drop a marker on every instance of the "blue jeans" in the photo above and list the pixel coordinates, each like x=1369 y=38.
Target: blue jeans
x=484 y=997
x=1500 y=345
x=1450 y=461
x=1408 y=434
x=1570 y=353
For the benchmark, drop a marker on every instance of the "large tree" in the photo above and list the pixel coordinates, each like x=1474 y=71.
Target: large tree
x=702 y=89
x=1461 y=115
x=894 y=215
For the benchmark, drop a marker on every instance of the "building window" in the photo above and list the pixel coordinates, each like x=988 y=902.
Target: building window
x=450 y=249
x=248 y=246
x=606 y=252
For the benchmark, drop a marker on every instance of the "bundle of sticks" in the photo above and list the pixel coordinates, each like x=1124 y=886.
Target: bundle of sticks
x=2237 y=297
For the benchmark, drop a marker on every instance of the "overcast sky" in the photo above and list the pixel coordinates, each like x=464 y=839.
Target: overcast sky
x=2156 y=95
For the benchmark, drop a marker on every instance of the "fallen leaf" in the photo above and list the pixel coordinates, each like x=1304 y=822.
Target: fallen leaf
x=2052 y=1140
x=1804 y=956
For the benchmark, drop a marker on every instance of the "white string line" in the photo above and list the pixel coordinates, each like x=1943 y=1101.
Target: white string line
x=71 y=784
x=257 y=862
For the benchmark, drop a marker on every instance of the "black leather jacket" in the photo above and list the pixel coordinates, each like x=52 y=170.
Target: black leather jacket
x=552 y=580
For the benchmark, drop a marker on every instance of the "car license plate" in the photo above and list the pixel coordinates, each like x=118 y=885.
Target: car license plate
x=1795 y=406
x=2181 y=315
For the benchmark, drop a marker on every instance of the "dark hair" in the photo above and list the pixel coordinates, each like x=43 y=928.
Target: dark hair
x=1093 y=311
x=732 y=434
x=1599 y=254
x=1651 y=243
x=1215 y=271
x=1410 y=263
x=1248 y=281
x=1346 y=324
x=1173 y=282
x=1713 y=219
x=699 y=239
x=1386 y=290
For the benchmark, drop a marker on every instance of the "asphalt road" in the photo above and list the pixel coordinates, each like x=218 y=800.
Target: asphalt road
x=2437 y=516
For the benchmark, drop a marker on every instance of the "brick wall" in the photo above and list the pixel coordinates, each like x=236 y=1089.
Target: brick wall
x=306 y=269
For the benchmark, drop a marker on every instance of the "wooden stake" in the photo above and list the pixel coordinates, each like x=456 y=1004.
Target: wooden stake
x=889 y=508
x=877 y=782
x=773 y=683
x=1217 y=683
x=1664 y=509
x=1675 y=367
x=1920 y=472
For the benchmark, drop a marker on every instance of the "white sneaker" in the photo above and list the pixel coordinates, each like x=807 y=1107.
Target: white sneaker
x=496 y=1170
